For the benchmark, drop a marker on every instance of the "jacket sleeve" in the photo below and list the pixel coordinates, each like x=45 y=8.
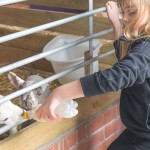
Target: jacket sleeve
x=132 y=69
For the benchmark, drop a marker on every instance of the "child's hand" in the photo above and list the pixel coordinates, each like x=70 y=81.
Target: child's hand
x=67 y=91
x=112 y=12
x=47 y=110
x=113 y=15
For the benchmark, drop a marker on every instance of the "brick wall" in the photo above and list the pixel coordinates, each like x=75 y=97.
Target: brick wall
x=97 y=134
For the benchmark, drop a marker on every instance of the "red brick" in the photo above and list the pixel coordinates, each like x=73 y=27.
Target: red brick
x=70 y=140
x=103 y=119
x=111 y=128
x=91 y=142
x=82 y=132
x=97 y=124
x=54 y=147
x=110 y=114
x=102 y=146
x=51 y=148
x=63 y=145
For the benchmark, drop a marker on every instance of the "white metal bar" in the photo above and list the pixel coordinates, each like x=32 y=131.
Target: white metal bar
x=91 y=33
x=54 y=77
x=8 y=2
x=42 y=55
x=49 y=25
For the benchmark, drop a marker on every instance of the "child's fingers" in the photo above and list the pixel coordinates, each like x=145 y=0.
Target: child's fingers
x=39 y=113
x=111 y=3
x=52 y=113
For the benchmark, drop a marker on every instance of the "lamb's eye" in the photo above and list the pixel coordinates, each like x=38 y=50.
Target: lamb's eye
x=38 y=93
x=5 y=119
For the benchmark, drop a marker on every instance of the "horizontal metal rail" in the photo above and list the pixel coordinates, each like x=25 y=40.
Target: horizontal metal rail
x=47 y=80
x=8 y=2
x=54 y=77
x=42 y=55
x=49 y=25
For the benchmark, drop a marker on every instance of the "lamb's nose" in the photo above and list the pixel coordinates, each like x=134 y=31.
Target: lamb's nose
x=23 y=105
x=29 y=105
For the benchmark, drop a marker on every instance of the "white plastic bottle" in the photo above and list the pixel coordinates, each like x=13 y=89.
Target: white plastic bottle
x=66 y=109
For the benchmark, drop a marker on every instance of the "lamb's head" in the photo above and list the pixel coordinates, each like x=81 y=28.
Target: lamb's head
x=30 y=99
x=10 y=113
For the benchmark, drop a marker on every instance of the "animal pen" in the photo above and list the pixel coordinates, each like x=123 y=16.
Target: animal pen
x=24 y=31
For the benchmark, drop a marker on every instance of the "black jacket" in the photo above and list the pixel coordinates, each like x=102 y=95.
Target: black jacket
x=132 y=75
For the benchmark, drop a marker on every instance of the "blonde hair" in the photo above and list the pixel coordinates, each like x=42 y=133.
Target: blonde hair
x=139 y=27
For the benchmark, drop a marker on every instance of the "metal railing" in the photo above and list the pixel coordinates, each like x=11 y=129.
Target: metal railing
x=89 y=38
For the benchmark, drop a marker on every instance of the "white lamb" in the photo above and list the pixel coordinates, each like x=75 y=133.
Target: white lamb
x=10 y=114
x=30 y=99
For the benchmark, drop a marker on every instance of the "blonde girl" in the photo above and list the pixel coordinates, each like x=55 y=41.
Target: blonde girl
x=131 y=23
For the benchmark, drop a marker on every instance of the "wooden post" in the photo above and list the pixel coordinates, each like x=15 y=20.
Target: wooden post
x=87 y=67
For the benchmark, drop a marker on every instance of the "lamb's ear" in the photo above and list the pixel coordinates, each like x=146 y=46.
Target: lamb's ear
x=15 y=80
